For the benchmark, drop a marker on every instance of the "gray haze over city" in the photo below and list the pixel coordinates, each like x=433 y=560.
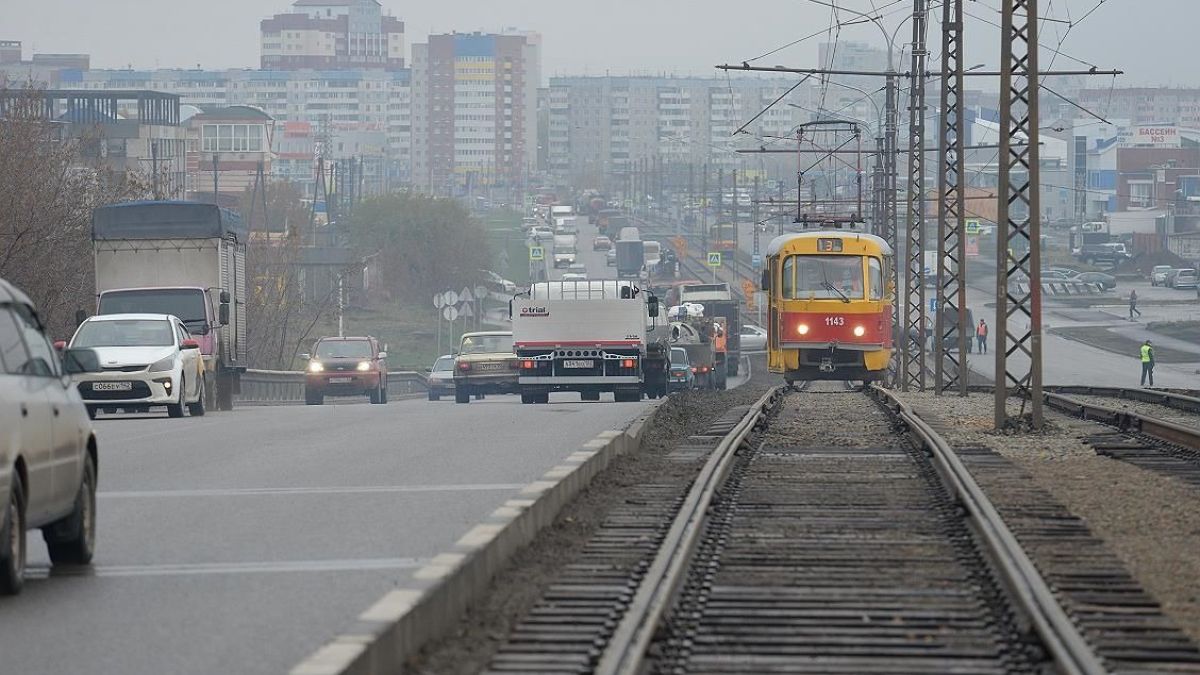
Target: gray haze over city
x=1148 y=40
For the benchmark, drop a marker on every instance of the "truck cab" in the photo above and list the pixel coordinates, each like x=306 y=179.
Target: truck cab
x=191 y=304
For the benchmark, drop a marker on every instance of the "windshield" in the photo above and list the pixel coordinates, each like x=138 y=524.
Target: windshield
x=344 y=349
x=186 y=303
x=679 y=357
x=443 y=364
x=125 y=333
x=487 y=344
x=823 y=277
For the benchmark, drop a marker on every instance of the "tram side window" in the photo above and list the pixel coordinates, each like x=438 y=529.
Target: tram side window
x=788 y=282
x=826 y=277
x=875 y=278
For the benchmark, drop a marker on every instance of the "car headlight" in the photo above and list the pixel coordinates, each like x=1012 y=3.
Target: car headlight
x=364 y=365
x=315 y=367
x=163 y=365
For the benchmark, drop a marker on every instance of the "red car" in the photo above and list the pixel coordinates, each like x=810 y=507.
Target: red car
x=345 y=366
x=601 y=243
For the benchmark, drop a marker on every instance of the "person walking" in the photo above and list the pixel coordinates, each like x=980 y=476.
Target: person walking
x=1147 y=362
x=981 y=334
x=1133 y=305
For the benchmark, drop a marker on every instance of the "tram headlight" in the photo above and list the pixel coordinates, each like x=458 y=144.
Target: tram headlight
x=802 y=329
x=859 y=331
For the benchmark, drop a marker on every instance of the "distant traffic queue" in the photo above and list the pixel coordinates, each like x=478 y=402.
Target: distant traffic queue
x=829 y=306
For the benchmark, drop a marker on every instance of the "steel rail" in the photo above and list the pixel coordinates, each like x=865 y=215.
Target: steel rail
x=1163 y=430
x=1170 y=399
x=1062 y=638
x=626 y=650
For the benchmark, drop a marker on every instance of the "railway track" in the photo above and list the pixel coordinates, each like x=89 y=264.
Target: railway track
x=827 y=532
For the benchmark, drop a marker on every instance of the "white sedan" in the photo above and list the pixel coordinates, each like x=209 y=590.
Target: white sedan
x=754 y=338
x=148 y=360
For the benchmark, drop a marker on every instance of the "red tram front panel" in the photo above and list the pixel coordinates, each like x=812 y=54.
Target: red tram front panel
x=801 y=329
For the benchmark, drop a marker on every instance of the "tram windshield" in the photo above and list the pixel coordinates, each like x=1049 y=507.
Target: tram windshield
x=824 y=277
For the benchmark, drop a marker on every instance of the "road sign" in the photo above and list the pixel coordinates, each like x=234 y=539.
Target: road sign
x=465 y=295
x=537 y=253
x=481 y=292
x=466 y=311
x=450 y=298
x=450 y=313
x=714 y=259
x=972 y=226
x=439 y=301
x=756 y=260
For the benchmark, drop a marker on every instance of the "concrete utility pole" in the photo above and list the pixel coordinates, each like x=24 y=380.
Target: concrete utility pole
x=1018 y=321
x=951 y=369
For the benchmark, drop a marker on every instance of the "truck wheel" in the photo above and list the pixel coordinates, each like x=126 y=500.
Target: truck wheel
x=210 y=391
x=12 y=540
x=72 y=540
x=313 y=397
x=528 y=399
x=224 y=393
x=197 y=409
x=462 y=396
x=176 y=409
x=543 y=398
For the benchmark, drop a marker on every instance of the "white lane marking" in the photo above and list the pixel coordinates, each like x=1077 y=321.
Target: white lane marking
x=267 y=492
x=185 y=569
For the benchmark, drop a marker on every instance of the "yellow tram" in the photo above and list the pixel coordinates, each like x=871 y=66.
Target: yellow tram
x=829 y=306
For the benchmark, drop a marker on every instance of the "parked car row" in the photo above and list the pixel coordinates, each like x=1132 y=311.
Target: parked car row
x=1173 y=277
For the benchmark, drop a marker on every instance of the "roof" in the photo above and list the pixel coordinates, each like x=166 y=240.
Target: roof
x=12 y=294
x=233 y=112
x=780 y=241
x=348 y=338
x=479 y=333
x=166 y=220
x=132 y=317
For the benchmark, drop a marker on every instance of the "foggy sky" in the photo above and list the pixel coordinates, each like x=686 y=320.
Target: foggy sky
x=1152 y=40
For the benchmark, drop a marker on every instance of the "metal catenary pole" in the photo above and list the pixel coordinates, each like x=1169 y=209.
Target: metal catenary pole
x=913 y=354
x=1018 y=323
x=950 y=369
x=889 y=232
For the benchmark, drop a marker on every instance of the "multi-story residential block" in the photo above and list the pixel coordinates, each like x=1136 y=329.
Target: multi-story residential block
x=1143 y=105
x=332 y=35
x=474 y=121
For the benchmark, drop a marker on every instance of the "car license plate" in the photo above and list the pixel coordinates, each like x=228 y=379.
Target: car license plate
x=491 y=366
x=341 y=380
x=112 y=386
x=585 y=363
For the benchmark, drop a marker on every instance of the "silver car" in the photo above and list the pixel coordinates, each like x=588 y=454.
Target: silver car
x=441 y=377
x=48 y=452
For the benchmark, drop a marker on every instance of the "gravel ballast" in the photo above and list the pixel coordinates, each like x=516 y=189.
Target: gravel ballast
x=487 y=625
x=1150 y=520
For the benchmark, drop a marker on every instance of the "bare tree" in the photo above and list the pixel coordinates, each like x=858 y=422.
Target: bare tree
x=48 y=189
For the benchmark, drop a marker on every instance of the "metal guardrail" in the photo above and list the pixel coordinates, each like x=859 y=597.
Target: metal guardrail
x=1064 y=288
x=287 y=386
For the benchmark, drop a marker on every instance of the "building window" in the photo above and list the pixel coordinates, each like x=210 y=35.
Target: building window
x=233 y=137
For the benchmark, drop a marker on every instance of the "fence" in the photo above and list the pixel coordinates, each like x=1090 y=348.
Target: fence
x=265 y=387
x=1064 y=288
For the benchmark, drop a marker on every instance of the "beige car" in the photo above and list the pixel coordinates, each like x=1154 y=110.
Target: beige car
x=485 y=364
x=48 y=454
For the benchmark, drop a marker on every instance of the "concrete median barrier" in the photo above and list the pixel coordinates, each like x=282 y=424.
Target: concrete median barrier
x=394 y=629
x=286 y=387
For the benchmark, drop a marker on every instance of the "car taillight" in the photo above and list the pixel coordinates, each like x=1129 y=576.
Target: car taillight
x=464 y=366
x=527 y=364
x=693 y=369
x=628 y=363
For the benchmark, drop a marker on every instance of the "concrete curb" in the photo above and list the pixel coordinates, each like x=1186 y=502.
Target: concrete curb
x=394 y=629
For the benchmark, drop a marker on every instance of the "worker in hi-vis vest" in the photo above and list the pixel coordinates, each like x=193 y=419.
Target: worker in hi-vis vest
x=1147 y=362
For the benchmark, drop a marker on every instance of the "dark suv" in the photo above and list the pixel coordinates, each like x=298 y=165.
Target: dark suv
x=346 y=366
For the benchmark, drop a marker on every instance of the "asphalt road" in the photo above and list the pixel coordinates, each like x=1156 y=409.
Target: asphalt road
x=239 y=542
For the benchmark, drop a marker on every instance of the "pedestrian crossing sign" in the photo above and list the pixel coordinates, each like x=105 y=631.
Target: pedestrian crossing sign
x=537 y=252
x=972 y=226
x=714 y=259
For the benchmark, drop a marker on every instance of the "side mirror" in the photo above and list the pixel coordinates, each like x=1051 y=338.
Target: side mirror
x=81 y=360
x=224 y=297
x=653 y=307
x=765 y=281
x=223 y=314
x=60 y=345
x=189 y=344
x=382 y=355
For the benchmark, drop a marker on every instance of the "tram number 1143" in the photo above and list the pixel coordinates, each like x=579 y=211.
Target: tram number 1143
x=835 y=321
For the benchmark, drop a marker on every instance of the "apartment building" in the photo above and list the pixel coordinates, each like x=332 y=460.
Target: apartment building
x=332 y=35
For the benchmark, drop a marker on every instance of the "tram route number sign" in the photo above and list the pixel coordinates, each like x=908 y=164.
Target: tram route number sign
x=714 y=259
x=537 y=252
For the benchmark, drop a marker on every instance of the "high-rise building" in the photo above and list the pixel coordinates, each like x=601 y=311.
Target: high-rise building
x=331 y=35
x=474 y=121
